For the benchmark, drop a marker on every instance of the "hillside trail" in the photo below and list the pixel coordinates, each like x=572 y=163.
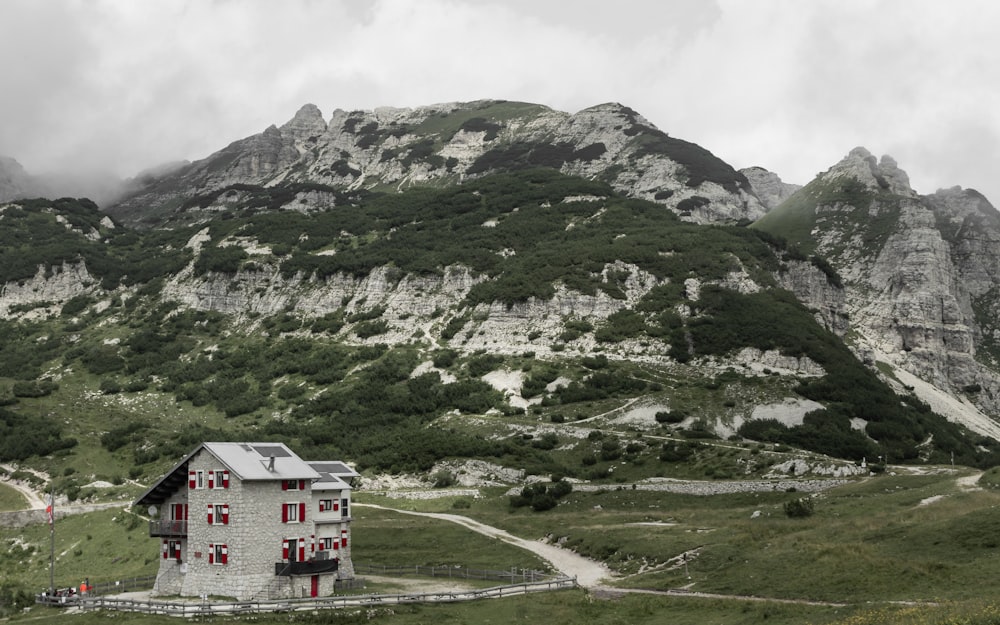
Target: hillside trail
x=588 y=573
x=35 y=502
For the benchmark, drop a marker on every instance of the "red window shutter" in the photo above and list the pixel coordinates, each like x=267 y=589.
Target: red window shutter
x=343 y=538
x=302 y=549
x=284 y=513
x=225 y=554
x=302 y=512
x=192 y=480
x=211 y=509
x=211 y=479
x=284 y=550
x=336 y=505
x=322 y=505
x=185 y=512
x=211 y=553
x=302 y=484
x=164 y=550
x=313 y=543
x=225 y=479
x=284 y=484
x=336 y=543
x=225 y=514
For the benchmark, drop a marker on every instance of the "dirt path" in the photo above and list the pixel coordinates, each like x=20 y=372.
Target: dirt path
x=34 y=501
x=588 y=573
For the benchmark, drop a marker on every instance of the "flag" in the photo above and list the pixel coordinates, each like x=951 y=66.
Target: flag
x=49 y=512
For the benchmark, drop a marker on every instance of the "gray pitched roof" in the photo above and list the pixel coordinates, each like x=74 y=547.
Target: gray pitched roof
x=252 y=461
x=246 y=461
x=334 y=475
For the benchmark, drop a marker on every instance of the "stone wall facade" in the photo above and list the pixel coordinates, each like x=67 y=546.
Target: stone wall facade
x=237 y=533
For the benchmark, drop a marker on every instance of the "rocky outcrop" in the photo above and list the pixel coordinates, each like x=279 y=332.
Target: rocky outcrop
x=768 y=186
x=815 y=290
x=922 y=274
x=46 y=292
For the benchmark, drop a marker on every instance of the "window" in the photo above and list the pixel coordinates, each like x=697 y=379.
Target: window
x=196 y=479
x=172 y=550
x=344 y=505
x=218 y=514
x=218 y=554
x=218 y=479
x=293 y=484
x=325 y=544
x=293 y=550
x=293 y=512
x=325 y=505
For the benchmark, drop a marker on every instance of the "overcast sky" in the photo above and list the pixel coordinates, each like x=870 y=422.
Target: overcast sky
x=790 y=85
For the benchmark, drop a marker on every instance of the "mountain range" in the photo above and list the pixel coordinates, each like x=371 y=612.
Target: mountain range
x=522 y=261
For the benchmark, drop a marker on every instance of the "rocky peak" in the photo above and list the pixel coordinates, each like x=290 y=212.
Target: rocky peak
x=14 y=180
x=307 y=124
x=879 y=176
x=768 y=186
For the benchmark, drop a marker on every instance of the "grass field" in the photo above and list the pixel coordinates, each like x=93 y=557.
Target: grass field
x=10 y=499
x=894 y=549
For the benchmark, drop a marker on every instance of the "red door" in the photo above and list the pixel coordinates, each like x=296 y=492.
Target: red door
x=314 y=589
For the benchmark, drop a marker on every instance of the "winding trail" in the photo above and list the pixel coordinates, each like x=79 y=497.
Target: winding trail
x=34 y=501
x=588 y=573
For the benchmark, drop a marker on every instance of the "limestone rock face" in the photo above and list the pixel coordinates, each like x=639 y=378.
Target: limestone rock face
x=876 y=175
x=814 y=289
x=922 y=273
x=768 y=186
x=445 y=143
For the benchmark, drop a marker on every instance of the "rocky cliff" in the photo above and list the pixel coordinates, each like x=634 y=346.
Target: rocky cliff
x=921 y=272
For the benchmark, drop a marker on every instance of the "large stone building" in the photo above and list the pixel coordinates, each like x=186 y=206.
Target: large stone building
x=251 y=521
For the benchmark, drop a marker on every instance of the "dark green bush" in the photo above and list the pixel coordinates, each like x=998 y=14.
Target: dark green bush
x=799 y=508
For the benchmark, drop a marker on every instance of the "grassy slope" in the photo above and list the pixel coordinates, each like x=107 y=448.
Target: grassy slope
x=10 y=499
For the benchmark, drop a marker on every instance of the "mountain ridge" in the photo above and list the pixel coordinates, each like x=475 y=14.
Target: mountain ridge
x=446 y=143
x=550 y=250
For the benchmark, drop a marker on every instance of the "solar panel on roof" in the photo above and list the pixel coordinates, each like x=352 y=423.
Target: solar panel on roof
x=272 y=450
x=330 y=467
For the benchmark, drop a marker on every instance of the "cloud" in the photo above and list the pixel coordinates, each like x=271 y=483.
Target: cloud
x=786 y=84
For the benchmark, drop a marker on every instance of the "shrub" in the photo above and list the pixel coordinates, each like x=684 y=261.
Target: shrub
x=541 y=496
x=110 y=386
x=368 y=329
x=76 y=305
x=443 y=479
x=799 y=508
x=444 y=358
x=675 y=416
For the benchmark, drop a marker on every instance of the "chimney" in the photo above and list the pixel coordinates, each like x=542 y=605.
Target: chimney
x=270 y=464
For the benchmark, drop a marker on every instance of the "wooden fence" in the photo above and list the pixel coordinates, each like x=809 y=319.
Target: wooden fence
x=513 y=576
x=177 y=608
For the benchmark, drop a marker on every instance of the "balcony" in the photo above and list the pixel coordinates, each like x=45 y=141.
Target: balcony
x=168 y=527
x=307 y=567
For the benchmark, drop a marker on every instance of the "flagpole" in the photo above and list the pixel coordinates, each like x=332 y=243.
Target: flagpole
x=50 y=512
